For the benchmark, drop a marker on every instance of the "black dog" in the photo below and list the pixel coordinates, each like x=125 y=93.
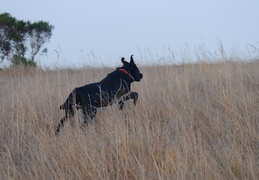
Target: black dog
x=114 y=88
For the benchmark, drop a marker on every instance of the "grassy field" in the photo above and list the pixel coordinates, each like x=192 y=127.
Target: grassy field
x=192 y=121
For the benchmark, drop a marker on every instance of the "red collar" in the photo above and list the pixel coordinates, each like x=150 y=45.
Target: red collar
x=123 y=70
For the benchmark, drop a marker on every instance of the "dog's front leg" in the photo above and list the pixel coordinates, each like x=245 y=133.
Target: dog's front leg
x=131 y=95
x=134 y=96
x=121 y=104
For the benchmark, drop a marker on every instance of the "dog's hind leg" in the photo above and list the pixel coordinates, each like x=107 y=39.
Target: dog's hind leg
x=62 y=121
x=69 y=113
x=69 y=107
x=61 y=124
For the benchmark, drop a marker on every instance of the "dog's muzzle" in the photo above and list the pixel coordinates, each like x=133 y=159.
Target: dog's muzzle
x=140 y=76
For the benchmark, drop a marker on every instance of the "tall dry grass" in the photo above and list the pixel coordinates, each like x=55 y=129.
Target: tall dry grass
x=193 y=121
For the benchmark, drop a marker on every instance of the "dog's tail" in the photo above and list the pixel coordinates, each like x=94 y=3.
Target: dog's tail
x=62 y=106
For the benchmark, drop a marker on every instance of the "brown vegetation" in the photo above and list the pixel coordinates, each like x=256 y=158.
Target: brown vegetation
x=193 y=121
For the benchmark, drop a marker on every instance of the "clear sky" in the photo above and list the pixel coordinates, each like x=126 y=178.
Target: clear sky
x=100 y=32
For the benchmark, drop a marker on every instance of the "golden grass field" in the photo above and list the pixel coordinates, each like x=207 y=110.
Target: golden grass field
x=192 y=121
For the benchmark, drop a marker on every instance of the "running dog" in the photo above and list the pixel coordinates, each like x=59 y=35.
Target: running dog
x=115 y=87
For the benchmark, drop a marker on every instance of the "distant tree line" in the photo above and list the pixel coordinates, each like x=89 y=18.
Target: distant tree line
x=18 y=37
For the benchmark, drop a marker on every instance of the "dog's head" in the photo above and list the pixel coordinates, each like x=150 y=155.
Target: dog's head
x=131 y=69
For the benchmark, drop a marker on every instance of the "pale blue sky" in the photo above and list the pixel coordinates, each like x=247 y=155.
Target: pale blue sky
x=111 y=29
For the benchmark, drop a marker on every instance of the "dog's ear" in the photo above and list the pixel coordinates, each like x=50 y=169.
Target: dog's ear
x=131 y=60
x=123 y=60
